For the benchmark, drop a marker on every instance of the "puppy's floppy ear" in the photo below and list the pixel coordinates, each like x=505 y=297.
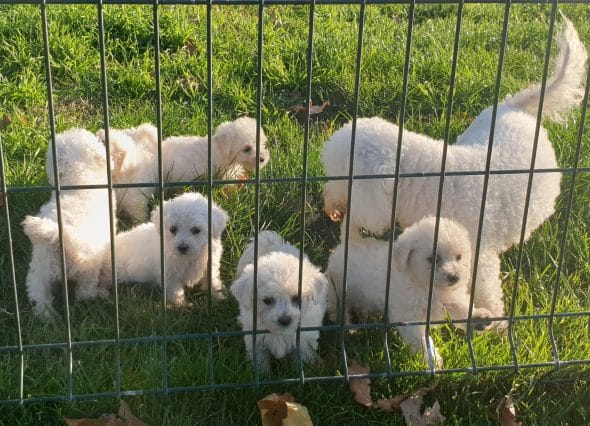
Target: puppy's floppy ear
x=242 y=288
x=155 y=216
x=224 y=138
x=319 y=288
x=219 y=219
x=402 y=250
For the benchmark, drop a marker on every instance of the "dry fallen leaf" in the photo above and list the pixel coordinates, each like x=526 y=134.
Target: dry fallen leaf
x=313 y=109
x=411 y=408
x=507 y=412
x=282 y=410
x=360 y=388
x=123 y=418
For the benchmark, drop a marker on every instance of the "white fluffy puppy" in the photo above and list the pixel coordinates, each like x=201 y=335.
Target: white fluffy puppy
x=375 y=153
x=278 y=307
x=409 y=281
x=81 y=160
x=185 y=248
x=133 y=153
x=184 y=158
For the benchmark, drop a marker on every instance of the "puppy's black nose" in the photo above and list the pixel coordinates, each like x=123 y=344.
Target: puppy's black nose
x=183 y=248
x=284 y=320
x=261 y=159
x=452 y=278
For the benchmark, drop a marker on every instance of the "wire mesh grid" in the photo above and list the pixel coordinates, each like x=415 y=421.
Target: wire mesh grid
x=19 y=352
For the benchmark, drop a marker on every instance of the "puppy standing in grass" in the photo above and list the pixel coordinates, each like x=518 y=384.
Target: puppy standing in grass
x=185 y=248
x=375 y=153
x=81 y=160
x=278 y=307
x=184 y=158
x=409 y=281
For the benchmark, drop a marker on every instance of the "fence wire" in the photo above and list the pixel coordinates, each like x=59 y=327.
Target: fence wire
x=164 y=337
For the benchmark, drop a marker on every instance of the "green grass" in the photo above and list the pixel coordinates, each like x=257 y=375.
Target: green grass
x=542 y=395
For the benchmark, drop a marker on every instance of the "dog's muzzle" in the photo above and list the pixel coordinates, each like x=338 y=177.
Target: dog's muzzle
x=284 y=320
x=452 y=279
x=183 y=248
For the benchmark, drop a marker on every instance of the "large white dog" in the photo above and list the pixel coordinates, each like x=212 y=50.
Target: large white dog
x=278 y=307
x=184 y=158
x=81 y=160
x=186 y=251
x=375 y=153
x=409 y=280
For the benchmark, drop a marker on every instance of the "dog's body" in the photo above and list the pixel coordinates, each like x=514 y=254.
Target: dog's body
x=184 y=158
x=185 y=248
x=81 y=160
x=375 y=153
x=409 y=279
x=278 y=308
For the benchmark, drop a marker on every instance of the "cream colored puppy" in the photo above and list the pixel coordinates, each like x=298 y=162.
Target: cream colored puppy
x=278 y=307
x=81 y=160
x=185 y=248
x=409 y=281
x=184 y=158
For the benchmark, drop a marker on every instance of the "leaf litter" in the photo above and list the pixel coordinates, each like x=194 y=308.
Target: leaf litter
x=124 y=417
x=409 y=405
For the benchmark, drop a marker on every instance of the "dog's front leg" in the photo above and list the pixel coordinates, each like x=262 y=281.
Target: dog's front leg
x=415 y=337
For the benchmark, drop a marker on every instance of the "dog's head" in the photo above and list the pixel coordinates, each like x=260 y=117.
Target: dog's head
x=186 y=223
x=236 y=142
x=412 y=253
x=81 y=159
x=279 y=308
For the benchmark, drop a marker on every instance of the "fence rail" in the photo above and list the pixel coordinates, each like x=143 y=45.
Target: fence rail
x=164 y=336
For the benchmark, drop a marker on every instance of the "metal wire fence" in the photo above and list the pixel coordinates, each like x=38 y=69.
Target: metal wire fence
x=67 y=342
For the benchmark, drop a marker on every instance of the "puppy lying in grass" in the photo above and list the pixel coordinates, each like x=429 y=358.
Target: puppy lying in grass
x=184 y=158
x=186 y=240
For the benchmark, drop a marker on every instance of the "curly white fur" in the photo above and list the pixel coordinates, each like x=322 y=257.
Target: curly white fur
x=278 y=308
x=184 y=158
x=186 y=254
x=375 y=153
x=81 y=160
x=409 y=280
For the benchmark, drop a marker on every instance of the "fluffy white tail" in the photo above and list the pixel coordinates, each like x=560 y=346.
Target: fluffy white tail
x=564 y=89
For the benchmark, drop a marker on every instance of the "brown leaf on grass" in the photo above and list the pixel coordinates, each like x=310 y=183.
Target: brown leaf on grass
x=5 y=122
x=411 y=409
x=507 y=412
x=124 y=417
x=282 y=410
x=313 y=109
x=360 y=388
x=2 y=199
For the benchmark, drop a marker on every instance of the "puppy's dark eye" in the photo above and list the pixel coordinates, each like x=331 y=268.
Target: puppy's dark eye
x=458 y=257
x=295 y=300
x=268 y=300
x=173 y=229
x=195 y=230
x=247 y=150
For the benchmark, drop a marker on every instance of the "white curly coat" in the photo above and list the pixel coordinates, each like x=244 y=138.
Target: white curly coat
x=375 y=153
x=186 y=254
x=81 y=160
x=409 y=280
x=184 y=158
x=277 y=306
